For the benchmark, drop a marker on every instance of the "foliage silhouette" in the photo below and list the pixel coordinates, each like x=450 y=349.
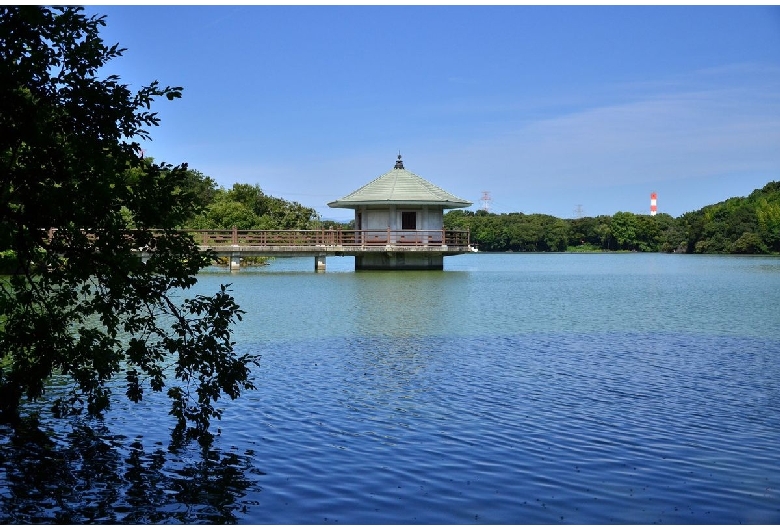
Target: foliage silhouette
x=82 y=303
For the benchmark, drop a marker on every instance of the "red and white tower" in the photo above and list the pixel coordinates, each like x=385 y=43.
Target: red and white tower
x=653 y=203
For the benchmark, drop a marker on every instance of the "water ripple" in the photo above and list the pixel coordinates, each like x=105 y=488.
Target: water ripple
x=572 y=428
x=531 y=389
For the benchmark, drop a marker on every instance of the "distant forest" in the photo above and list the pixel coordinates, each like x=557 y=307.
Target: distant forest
x=244 y=206
x=740 y=225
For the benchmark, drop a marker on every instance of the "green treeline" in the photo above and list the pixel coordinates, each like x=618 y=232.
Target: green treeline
x=211 y=207
x=740 y=225
x=244 y=206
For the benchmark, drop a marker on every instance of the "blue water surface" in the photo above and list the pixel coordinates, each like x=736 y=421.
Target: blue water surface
x=511 y=388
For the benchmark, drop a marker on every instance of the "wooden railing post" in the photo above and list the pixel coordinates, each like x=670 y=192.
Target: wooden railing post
x=235 y=235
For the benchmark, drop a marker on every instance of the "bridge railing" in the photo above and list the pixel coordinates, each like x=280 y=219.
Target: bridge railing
x=322 y=237
x=329 y=237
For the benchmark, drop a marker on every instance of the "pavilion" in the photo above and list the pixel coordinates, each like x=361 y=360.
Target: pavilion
x=406 y=212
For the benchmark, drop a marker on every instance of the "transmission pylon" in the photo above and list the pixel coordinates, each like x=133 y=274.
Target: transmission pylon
x=486 y=201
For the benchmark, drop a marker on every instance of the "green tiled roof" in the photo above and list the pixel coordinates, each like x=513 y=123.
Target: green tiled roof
x=399 y=186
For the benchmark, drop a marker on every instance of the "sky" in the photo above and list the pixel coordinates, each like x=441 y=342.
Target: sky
x=561 y=110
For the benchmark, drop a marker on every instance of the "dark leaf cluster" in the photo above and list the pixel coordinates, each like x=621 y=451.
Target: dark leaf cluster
x=78 y=205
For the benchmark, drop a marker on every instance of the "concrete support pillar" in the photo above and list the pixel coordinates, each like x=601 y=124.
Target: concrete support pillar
x=319 y=263
x=235 y=261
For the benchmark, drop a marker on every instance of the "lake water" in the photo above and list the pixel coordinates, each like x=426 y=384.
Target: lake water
x=508 y=388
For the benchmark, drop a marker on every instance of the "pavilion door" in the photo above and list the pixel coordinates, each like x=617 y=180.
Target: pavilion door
x=409 y=222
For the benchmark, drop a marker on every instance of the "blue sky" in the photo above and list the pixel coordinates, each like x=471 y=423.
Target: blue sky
x=547 y=107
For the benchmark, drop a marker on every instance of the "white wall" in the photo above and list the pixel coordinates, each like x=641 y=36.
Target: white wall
x=376 y=219
x=428 y=218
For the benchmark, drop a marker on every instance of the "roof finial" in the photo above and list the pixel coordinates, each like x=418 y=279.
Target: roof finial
x=399 y=164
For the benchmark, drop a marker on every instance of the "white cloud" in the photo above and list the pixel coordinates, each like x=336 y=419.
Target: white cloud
x=672 y=135
x=709 y=126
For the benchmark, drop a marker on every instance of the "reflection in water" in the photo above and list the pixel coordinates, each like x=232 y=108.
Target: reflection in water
x=94 y=476
x=410 y=304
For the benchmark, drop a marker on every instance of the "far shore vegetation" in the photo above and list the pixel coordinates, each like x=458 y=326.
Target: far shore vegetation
x=739 y=225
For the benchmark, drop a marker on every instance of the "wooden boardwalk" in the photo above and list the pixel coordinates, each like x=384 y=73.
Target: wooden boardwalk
x=236 y=244
x=403 y=248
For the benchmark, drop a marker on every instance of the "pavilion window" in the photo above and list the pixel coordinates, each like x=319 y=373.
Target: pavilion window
x=408 y=220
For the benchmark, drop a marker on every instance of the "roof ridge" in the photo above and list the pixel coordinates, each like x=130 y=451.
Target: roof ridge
x=400 y=186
